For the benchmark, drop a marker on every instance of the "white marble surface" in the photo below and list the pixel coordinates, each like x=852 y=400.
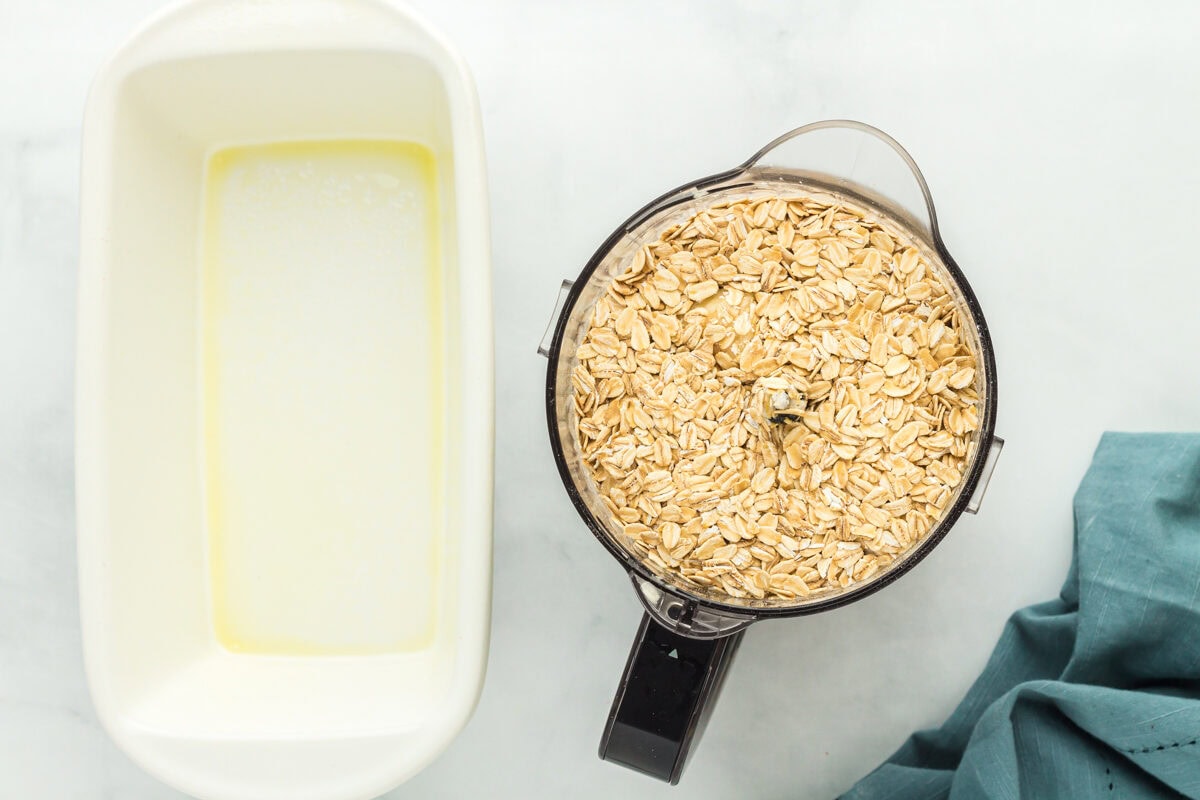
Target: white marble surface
x=1060 y=146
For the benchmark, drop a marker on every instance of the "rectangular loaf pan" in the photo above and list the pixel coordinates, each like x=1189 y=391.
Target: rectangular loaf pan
x=205 y=718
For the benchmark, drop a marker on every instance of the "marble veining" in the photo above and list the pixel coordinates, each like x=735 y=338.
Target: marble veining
x=1059 y=150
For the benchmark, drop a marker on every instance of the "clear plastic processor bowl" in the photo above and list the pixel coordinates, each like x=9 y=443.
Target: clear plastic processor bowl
x=842 y=158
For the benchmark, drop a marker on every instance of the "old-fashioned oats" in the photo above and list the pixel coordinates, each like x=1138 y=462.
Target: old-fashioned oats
x=777 y=398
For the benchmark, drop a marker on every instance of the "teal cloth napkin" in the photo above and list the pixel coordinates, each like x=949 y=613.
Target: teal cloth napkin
x=1095 y=694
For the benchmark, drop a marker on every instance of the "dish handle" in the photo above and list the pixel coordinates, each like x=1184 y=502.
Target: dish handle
x=206 y=27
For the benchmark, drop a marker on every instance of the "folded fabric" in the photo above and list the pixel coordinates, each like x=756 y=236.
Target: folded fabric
x=1095 y=694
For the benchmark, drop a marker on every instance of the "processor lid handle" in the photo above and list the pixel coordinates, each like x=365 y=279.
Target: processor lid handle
x=857 y=157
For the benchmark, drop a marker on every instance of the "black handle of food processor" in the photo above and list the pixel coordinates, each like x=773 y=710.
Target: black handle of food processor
x=665 y=698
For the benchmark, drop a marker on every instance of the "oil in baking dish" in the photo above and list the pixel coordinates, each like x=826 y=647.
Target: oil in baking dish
x=321 y=374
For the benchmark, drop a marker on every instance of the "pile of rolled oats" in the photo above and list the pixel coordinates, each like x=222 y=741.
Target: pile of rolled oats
x=776 y=399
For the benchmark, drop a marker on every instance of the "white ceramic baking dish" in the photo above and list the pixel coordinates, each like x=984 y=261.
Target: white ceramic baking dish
x=341 y=719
